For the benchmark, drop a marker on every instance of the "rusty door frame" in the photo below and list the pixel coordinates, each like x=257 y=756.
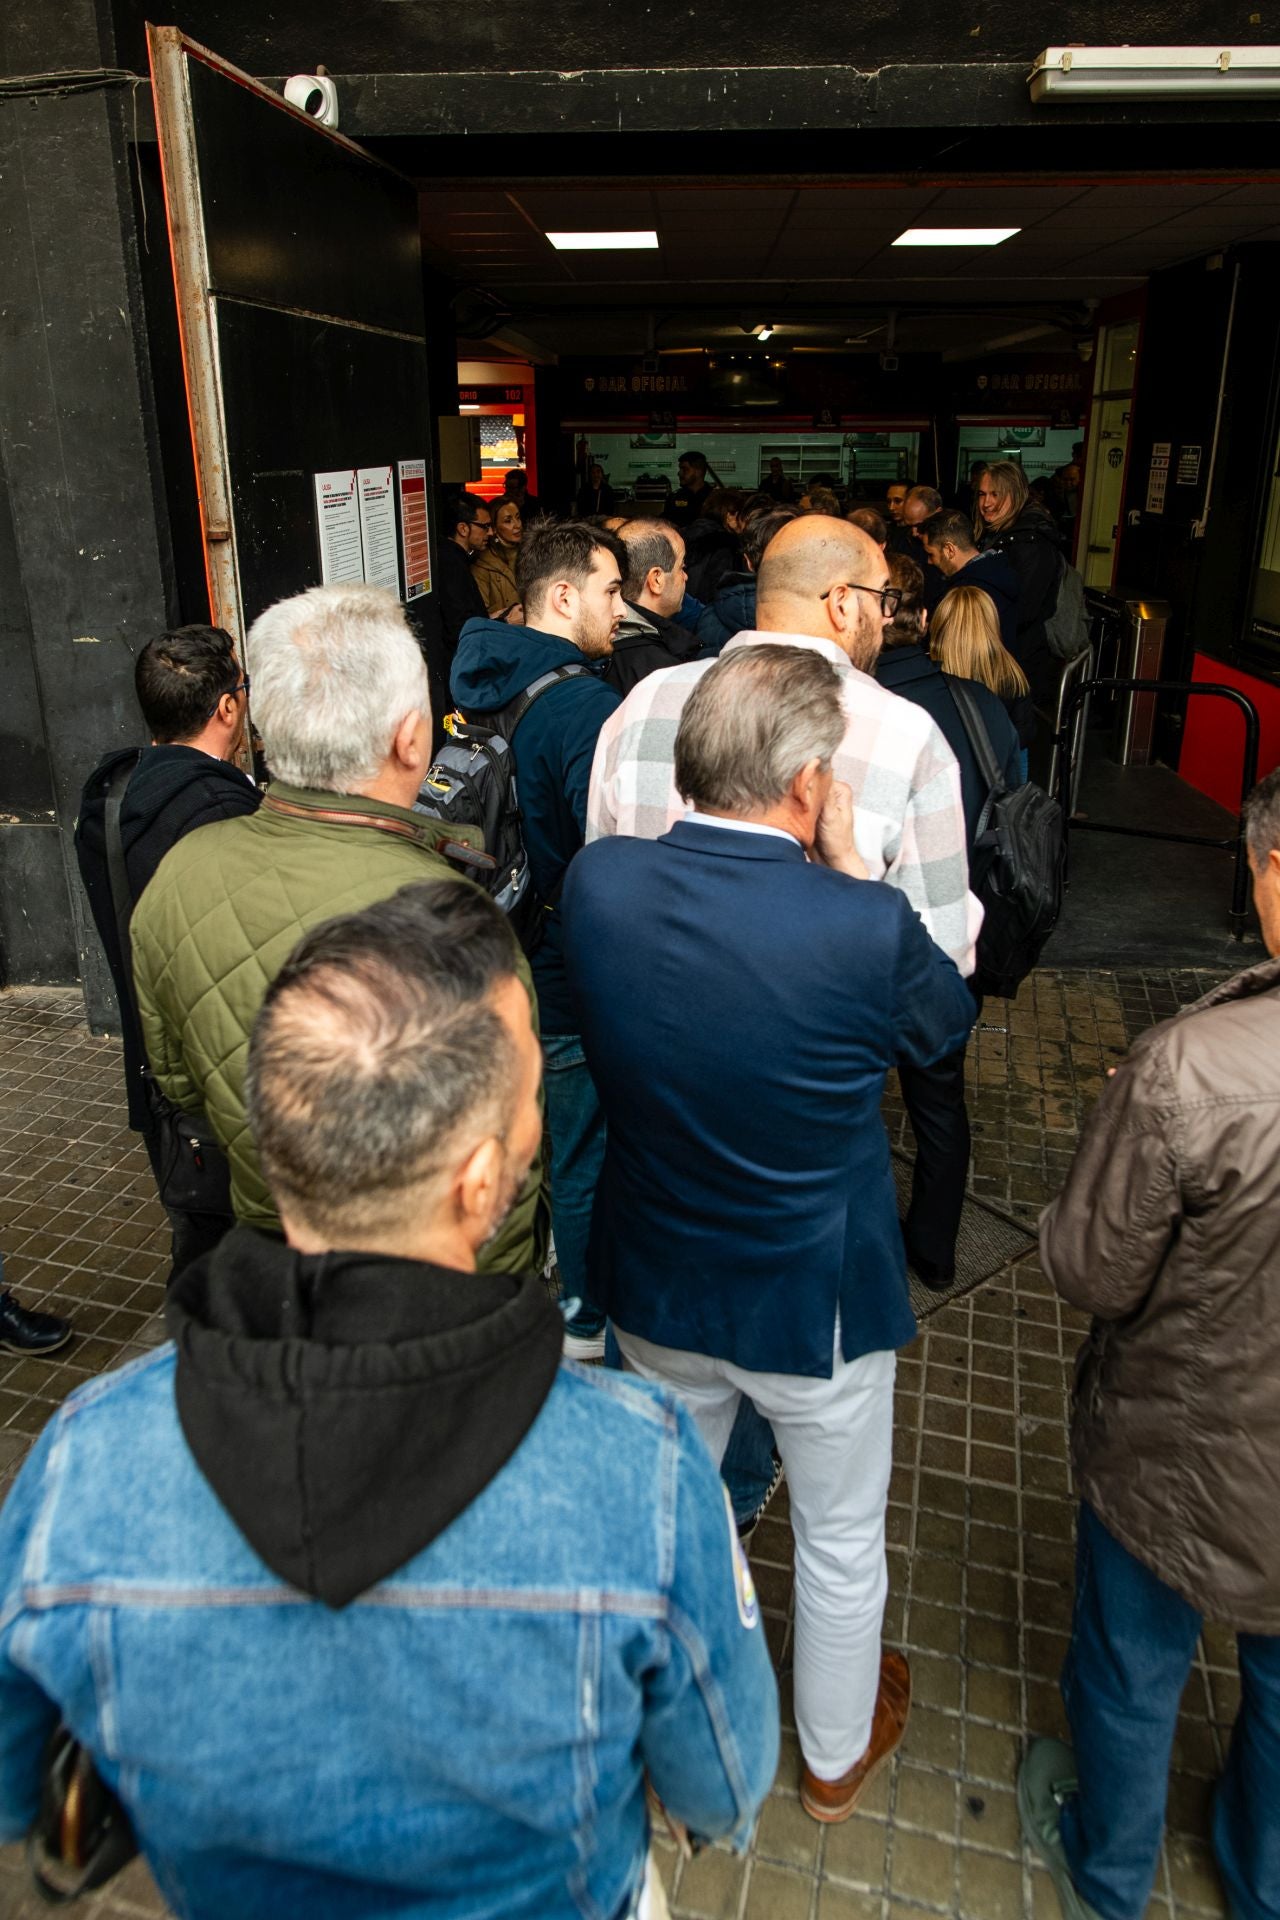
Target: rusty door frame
x=197 y=320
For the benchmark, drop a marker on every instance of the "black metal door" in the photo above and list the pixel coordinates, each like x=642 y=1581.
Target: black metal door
x=298 y=275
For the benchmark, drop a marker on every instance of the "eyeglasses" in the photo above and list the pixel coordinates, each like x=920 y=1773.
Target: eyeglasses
x=241 y=686
x=890 y=598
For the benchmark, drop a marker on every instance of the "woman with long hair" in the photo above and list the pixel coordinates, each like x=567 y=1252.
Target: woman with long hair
x=964 y=637
x=494 y=570
x=1010 y=522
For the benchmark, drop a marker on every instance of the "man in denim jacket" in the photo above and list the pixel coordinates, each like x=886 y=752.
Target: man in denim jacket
x=362 y=1601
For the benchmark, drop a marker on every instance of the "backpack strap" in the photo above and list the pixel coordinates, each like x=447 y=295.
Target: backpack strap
x=510 y=716
x=122 y=901
x=979 y=739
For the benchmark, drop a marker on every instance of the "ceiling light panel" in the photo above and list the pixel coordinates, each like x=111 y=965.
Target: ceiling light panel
x=586 y=242
x=955 y=236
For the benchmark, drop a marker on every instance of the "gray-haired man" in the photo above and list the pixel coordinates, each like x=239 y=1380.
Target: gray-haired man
x=340 y=699
x=745 y=1239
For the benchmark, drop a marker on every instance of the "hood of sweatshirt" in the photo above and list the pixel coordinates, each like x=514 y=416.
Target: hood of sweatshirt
x=345 y=1408
x=495 y=662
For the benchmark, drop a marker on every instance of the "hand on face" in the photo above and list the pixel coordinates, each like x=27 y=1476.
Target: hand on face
x=834 y=843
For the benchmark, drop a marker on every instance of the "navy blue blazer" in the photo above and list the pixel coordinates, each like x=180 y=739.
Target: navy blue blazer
x=739 y=1009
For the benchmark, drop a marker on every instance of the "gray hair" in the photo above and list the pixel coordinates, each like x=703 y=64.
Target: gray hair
x=648 y=544
x=335 y=671
x=751 y=723
x=378 y=1053
x=1262 y=816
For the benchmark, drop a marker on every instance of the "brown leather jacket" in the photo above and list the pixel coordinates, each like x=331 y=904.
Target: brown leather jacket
x=1168 y=1232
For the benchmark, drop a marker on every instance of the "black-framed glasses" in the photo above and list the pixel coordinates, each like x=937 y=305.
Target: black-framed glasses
x=241 y=686
x=890 y=598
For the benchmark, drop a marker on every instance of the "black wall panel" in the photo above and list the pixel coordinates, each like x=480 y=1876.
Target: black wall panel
x=301 y=397
x=295 y=219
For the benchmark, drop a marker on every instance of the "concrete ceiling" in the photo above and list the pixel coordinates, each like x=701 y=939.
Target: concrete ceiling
x=817 y=260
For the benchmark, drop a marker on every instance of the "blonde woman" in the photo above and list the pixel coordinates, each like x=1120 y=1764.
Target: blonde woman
x=964 y=637
x=1011 y=523
x=494 y=570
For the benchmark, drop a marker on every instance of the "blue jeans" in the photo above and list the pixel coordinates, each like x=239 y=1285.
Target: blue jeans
x=575 y=1122
x=1132 y=1643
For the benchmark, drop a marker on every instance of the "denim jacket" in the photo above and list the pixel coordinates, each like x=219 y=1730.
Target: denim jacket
x=467 y=1736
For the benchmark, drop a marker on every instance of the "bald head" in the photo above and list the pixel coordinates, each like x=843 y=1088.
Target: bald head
x=819 y=577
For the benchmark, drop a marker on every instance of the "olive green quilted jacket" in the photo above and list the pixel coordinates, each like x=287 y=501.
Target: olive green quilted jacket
x=225 y=909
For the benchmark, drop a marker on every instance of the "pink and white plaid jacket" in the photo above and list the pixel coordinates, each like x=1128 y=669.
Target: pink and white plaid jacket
x=907 y=817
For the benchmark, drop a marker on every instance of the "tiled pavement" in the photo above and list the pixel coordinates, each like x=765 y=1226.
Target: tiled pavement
x=980 y=1518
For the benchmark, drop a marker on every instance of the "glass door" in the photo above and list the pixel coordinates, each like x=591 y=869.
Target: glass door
x=1108 y=452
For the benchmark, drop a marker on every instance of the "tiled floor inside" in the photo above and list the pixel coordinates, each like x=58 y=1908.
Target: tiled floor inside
x=980 y=1522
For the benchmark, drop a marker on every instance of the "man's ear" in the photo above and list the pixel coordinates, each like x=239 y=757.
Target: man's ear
x=405 y=745
x=477 y=1189
x=802 y=785
x=654 y=581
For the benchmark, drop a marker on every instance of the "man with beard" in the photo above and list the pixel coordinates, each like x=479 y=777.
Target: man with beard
x=359 y=1600
x=571 y=590
x=823 y=585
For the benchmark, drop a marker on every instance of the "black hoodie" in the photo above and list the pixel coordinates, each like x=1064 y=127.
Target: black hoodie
x=173 y=790
x=643 y=643
x=345 y=1408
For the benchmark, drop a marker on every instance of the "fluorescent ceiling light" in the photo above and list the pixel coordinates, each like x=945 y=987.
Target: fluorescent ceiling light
x=1063 y=74
x=592 y=242
x=955 y=236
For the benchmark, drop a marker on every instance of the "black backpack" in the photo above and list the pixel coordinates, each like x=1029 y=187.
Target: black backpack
x=472 y=782
x=1017 y=866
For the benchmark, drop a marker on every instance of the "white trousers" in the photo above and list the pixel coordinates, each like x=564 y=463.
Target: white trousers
x=836 y=1441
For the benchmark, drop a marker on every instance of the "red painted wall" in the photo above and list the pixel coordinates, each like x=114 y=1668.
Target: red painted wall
x=1213 y=742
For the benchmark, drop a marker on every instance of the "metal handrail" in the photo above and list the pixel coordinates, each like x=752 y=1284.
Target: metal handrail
x=1239 y=914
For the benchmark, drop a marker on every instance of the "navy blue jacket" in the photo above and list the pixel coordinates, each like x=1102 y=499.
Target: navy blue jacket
x=910 y=673
x=554 y=746
x=992 y=572
x=732 y=611
x=739 y=1009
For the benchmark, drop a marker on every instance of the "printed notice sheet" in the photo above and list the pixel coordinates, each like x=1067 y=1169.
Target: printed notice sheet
x=376 y=487
x=338 y=525
x=413 y=528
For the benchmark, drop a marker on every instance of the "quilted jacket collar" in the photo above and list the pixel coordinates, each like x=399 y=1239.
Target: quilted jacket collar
x=436 y=836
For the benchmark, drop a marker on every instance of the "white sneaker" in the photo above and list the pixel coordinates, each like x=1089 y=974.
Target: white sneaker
x=583 y=1346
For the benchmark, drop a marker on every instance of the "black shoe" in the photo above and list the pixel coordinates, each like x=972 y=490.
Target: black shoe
x=930 y=1273
x=24 y=1331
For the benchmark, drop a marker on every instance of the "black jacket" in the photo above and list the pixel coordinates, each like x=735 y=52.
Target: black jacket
x=1033 y=547
x=732 y=611
x=686 y=505
x=644 y=642
x=710 y=553
x=459 y=593
x=345 y=1408
x=173 y=791
x=589 y=502
x=910 y=673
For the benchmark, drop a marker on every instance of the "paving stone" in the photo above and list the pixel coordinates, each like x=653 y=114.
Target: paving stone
x=980 y=1528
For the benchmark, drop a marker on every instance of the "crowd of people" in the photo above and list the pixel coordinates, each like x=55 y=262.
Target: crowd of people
x=363 y=1594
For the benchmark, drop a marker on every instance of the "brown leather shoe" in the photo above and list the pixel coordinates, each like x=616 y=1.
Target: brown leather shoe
x=832 y=1800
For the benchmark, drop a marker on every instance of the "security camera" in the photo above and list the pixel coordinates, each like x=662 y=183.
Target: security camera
x=315 y=95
